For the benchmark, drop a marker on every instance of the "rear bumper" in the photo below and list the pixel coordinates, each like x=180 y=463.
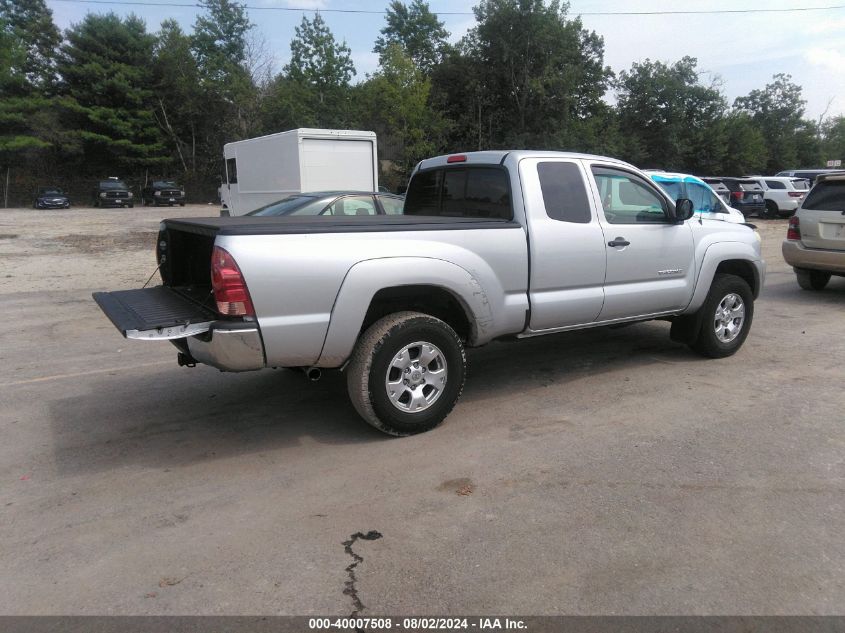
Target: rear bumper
x=227 y=346
x=798 y=256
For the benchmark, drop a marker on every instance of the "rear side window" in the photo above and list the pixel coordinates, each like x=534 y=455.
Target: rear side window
x=468 y=192
x=564 y=193
x=826 y=196
x=232 y=170
x=750 y=186
x=800 y=184
x=775 y=184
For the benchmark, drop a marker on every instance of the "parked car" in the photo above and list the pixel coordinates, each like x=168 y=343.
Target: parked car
x=51 y=198
x=782 y=194
x=721 y=190
x=746 y=195
x=163 y=192
x=807 y=174
x=706 y=203
x=815 y=241
x=335 y=203
x=113 y=192
x=495 y=244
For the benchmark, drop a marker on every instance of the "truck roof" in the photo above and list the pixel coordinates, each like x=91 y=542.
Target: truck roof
x=497 y=157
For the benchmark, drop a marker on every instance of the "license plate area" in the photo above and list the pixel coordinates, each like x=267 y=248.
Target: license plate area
x=158 y=313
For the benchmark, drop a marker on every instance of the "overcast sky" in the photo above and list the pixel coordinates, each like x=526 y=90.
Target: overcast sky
x=744 y=50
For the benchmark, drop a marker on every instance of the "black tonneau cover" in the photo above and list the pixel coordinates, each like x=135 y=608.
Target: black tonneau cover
x=279 y=225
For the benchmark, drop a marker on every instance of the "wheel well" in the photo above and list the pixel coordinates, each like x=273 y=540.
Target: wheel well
x=744 y=269
x=433 y=300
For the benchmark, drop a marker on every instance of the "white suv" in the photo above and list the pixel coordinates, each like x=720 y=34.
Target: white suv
x=783 y=195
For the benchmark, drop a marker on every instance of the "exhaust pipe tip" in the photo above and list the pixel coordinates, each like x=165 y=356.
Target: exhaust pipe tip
x=314 y=373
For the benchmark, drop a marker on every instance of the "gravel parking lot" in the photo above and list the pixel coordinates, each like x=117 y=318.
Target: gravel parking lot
x=610 y=471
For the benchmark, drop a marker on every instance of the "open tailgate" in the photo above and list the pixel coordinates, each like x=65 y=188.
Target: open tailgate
x=157 y=313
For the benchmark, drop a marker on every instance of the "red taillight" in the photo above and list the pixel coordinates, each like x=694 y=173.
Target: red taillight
x=793 y=232
x=457 y=158
x=228 y=285
x=796 y=194
x=736 y=195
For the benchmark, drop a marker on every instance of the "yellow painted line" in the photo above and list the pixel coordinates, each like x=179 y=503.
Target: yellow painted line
x=93 y=372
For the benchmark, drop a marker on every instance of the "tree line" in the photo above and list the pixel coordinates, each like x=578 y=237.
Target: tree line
x=109 y=97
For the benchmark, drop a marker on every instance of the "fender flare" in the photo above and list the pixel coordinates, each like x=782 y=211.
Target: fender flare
x=366 y=278
x=714 y=255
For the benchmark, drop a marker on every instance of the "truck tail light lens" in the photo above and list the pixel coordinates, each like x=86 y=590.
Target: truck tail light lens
x=229 y=286
x=736 y=195
x=457 y=158
x=793 y=232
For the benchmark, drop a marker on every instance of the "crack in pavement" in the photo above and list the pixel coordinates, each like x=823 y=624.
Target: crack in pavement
x=349 y=586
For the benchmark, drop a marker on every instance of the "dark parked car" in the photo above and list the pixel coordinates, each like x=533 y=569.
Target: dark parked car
x=113 y=192
x=163 y=192
x=51 y=198
x=747 y=195
x=342 y=203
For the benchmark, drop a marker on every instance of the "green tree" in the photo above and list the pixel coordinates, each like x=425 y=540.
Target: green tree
x=833 y=139
x=31 y=22
x=746 y=146
x=669 y=119
x=229 y=97
x=107 y=82
x=320 y=70
x=778 y=110
x=394 y=103
x=529 y=76
x=179 y=102
x=417 y=30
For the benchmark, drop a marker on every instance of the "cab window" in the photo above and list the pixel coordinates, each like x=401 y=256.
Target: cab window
x=465 y=192
x=627 y=199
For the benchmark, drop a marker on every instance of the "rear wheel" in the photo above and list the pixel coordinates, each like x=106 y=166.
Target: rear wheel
x=812 y=279
x=725 y=317
x=771 y=211
x=406 y=373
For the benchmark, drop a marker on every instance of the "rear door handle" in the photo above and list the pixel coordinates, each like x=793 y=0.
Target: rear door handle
x=619 y=241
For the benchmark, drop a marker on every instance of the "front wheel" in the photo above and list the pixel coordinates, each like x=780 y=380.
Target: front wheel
x=812 y=279
x=726 y=317
x=406 y=373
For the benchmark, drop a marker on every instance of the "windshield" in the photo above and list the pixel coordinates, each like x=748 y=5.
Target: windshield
x=292 y=205
x=672 y=187
x=112 y=184
x=165 y=183
x=50 y=192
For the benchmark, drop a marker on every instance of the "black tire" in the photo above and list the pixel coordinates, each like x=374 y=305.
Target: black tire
x=132 y=205
x=771 y=211
x=812 y=279
x=707 y=343
x=181 y=204
x=372 y=359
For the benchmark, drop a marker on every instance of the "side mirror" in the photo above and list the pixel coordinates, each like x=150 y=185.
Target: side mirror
x=684 y=210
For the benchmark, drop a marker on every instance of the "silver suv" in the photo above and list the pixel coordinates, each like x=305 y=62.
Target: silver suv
x=815 y=242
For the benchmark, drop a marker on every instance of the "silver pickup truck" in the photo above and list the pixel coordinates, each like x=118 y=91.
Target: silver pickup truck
x=492 y=245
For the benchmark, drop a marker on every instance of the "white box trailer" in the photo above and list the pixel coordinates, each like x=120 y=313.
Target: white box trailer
x=268 y=168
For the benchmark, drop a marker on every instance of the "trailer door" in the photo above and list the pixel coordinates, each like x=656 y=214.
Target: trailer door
x=338 y=164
